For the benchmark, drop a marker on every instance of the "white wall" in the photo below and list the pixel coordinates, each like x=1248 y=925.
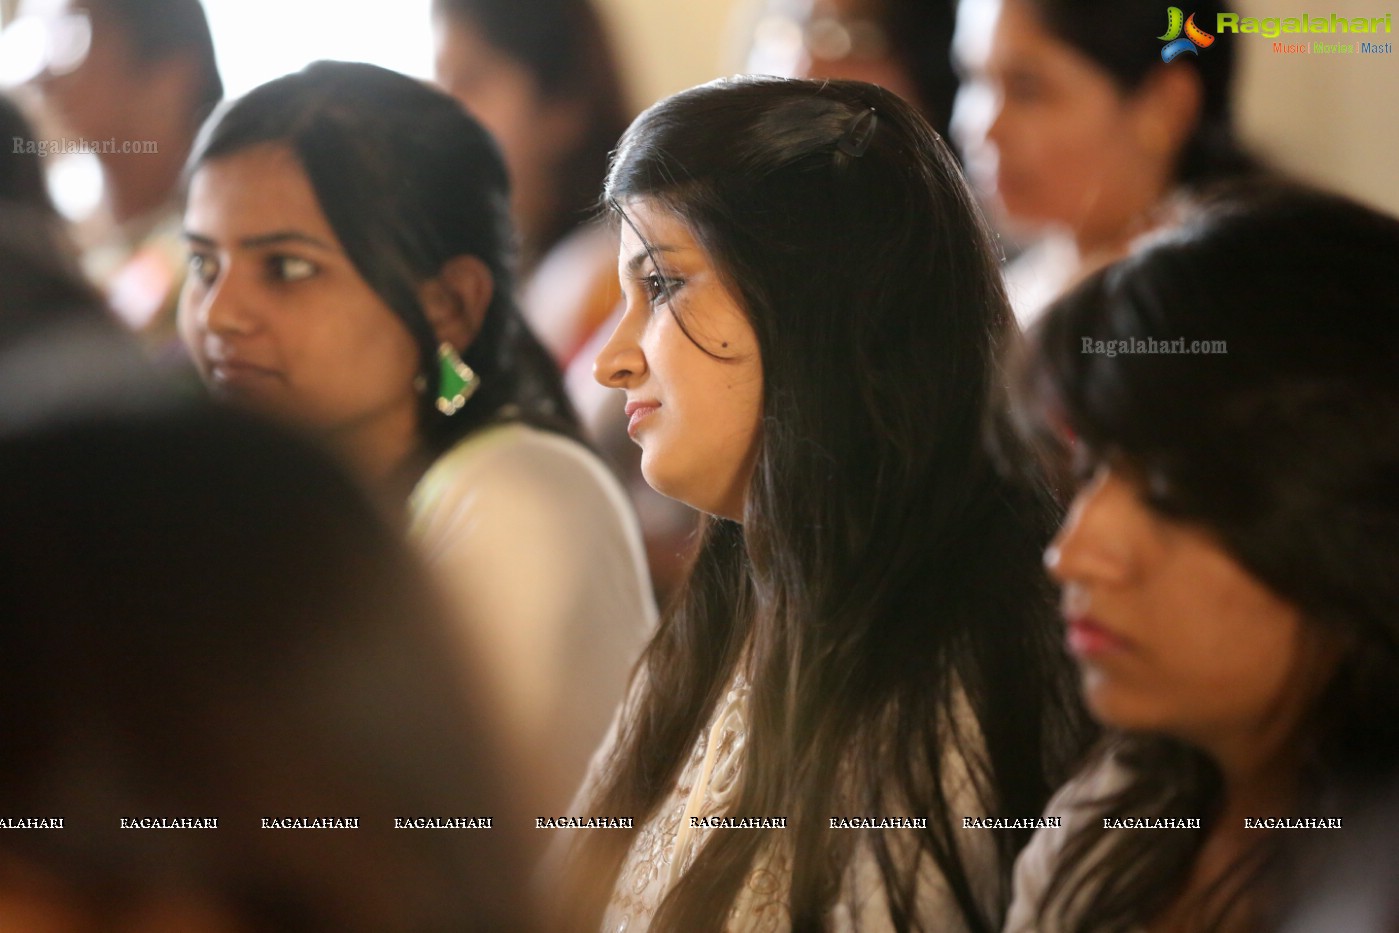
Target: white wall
x=1332 y=119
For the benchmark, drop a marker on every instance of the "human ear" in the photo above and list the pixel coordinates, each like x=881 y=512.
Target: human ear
x=456 y=299
x=1167 y=110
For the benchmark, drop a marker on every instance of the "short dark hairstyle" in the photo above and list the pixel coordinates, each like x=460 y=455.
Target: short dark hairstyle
x=161 y=29
x=1283 y=444
x=408 y=180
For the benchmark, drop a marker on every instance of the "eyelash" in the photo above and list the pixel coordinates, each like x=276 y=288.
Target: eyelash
x=659 y=288
x=204 y=268
x=278 y=264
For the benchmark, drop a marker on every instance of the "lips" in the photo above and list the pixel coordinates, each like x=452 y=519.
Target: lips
x=637 y=412
x=235 y=372
x=1088 y=638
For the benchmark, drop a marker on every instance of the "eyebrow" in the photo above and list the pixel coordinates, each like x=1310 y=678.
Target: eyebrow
x=274 y=238
x=646 y=253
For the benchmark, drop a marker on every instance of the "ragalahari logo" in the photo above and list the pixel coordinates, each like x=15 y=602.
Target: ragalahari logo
x=1175 y=42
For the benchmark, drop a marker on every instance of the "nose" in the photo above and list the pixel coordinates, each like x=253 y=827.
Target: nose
x=223 y=309
x=621 y=362
x=1092 y=545
x=995 y=124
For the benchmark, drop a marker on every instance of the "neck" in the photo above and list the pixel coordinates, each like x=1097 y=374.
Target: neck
x=382 y=453
x=533 y=208
x=1108 y=230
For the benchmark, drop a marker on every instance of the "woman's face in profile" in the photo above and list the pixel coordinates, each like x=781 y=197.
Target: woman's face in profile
x=1045 y=131
x=532 y=131
x=1171 y=634
x=275 y=315
x=694 y=393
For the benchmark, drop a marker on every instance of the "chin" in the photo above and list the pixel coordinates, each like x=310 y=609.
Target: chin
x=1112 y=705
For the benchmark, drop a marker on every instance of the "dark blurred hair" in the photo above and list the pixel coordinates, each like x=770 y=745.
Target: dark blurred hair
x=41 y=284
x=21 y=174
x=883 y=570
x=213 y=623
x=564 y=47
x=408 y=181
x=158 y=30
x=1286 y=448
x=1120 y=37
x=920 y=36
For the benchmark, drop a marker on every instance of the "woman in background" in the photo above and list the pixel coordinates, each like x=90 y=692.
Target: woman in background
x=1079 y=134
x=143 y=72
x=542 y=78
x=351 y=271
x=216 y=625
x=904 y=46
x=1229 y=563
x=807 y=353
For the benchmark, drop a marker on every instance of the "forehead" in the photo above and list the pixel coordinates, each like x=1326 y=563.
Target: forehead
x=646 y=222
x=254 y=190
x=1000 y=34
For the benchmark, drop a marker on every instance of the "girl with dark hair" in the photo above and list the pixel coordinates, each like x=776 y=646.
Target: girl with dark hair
x=1078 y=132
x=865 y=631
x=351 y=270
x=1229 y=563
x=541 y=76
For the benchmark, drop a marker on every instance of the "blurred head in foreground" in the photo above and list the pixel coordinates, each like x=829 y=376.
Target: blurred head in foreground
x=206 y=621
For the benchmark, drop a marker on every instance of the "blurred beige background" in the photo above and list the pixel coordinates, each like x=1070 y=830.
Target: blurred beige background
x=1329 y=119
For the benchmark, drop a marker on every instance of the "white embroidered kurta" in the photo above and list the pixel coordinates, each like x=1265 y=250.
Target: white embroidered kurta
x=1040 y=859
x=666 y=847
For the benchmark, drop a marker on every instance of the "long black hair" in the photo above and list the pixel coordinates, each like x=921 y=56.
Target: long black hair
x=408 y=181
x=883 y=569
x=1284 y=444
x=1120 y=37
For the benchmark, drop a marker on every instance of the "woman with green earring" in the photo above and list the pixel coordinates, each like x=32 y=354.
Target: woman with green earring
x=351 y=258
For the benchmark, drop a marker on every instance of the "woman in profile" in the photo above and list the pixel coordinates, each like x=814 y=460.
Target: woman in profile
x=351 y=272
x=1080 y=135
x=542 y=78
x=1229 y=562
x=807 y=354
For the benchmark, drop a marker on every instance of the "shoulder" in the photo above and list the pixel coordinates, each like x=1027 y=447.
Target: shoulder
x=520 y=459
x=1075 y=806
x=516 y=483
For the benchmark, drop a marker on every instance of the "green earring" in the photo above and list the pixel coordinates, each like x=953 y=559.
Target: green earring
x=457 y=382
